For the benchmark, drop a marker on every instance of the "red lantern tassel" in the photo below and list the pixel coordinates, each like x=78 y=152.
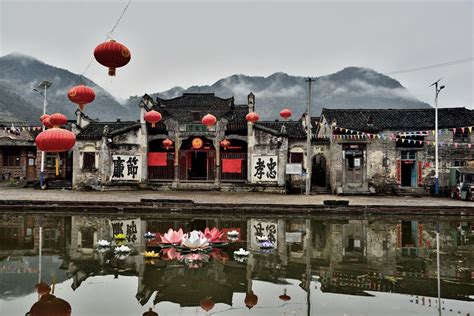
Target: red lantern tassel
x=111 y=71
x=57 y=165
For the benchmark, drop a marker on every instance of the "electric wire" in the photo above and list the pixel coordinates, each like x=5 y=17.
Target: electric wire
x=449 y=63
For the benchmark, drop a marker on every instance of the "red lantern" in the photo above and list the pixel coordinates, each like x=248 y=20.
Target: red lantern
x=113 y=55
x=207 y=304
x=285 y=113
x=225 y=143
x=81 y=95
x=167 y=143
x=55 y=140
x=43 y=117
x=58 y=119
x=250 y=300
x=252 y=117
x=209 y=120
x=47 y=122
x=152 y=117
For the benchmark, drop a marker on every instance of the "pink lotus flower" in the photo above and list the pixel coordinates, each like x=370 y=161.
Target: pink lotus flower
x=170 y=254
x=213 y=235
x=172 y=237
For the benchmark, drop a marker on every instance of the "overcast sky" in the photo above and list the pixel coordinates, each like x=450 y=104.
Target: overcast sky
x=193 y=42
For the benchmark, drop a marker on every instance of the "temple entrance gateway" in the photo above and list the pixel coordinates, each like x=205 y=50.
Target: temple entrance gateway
x=197 y=159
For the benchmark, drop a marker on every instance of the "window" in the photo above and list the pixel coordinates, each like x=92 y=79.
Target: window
x=11 y=157
x=88 y=160
x=459 y=163
x=408 y=155
x=461 y=136
x=50 y=160
x=296 y=157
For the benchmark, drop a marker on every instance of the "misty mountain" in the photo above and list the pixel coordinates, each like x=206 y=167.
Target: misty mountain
x=352 y=87
x=19 y=74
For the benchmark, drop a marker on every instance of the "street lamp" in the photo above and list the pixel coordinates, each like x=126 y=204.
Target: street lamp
x=41 y=89
x=437 y=90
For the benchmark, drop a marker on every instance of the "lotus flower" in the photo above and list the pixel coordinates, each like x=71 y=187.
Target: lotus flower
x=233 y=233
x=194 y=260
x=262 y=238
x=122 y=249
x=170 y=254
x=103 y=243
x=151 y=254
x=241 y=252
x=213 y=235
x=195 y=240
x=120 y=236
x=240 y=259
x=266 y=245
x=172 y=237
x=149 y=235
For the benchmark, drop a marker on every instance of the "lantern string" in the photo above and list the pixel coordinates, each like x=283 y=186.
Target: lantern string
x=108 y=36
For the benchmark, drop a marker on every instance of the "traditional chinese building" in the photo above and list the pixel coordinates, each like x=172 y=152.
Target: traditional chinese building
x=394 y=150
x=135 y=154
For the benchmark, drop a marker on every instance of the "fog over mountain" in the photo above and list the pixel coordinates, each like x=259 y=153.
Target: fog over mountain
x=352 y=87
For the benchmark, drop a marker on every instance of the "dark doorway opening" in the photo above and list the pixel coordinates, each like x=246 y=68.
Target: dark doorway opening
x=198 y=170
x=318 y=176
x=407 y=171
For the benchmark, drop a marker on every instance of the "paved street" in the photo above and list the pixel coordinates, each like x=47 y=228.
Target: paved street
x=219 y=197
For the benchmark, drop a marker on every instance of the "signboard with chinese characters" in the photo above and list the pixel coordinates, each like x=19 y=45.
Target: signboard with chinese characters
x=129 y=227
x=126 y=167
x=263 y=229
x=294 y=168
x=264 y=168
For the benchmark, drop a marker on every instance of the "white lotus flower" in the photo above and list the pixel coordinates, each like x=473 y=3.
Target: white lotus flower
x=232 y=233
x=122 y=249
x=262 y=238
x=241 y=252
x=103 y=243
x=195 y=240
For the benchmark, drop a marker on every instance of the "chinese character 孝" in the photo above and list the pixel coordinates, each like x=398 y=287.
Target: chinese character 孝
x=259 y=167
x=118 y=168
x=132 y=167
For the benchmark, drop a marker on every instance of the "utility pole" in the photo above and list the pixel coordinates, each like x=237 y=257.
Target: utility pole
x=308 y=136
x=437 y=90
x=41 y=89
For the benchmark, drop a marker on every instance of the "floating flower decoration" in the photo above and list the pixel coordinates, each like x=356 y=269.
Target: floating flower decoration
x=170 y=254
x=233 y=233
x=213 y=235
x=149 y=235
x=151 y=254
x=172 y=237
x=120 y=236
x=241 y=252
x=262 y=238
x=266 y=245
x=240 y=259
x=195 y=240
x=103 y=243
x=122 y=249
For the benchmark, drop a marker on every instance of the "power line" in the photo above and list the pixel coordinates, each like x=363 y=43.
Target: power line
x=108 y=36
x=449 y=63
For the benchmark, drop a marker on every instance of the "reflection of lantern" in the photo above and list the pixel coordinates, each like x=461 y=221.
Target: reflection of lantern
x=150 y=313
x=225 y=143
x=284 y=297
x=252 y=117
x=49 y=304
x=81 y=95
x=42 y=288
x=209 y=120
x=250 y=300
x=285 y=113
x=43 y=117
x=112 y=54
x=167 y=143
x=207 y=304
x=197 y=143
x=152 y=117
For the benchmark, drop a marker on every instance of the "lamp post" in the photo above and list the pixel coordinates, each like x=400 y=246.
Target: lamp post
x=437 y=90
x=309 y=168
x=41 y=89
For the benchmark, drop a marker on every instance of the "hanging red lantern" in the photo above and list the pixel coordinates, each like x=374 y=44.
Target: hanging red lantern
x=55 y=140
x=284 y=297
x=47 y=122
x=167 y=143
x=285 y=113
x=58 y=119
x=209 y=120
x=207 y=304
x=152 y=117
x=43 y=117
x=252 y=117
x=112 y=54
x=196 y=143
x=81 y=95
x=225 y=143
x=250 y=300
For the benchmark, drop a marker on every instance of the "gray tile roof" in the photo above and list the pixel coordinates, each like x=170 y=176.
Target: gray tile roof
x=95 y=130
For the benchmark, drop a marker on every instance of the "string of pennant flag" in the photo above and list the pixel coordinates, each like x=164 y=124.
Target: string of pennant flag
x=15 y=129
